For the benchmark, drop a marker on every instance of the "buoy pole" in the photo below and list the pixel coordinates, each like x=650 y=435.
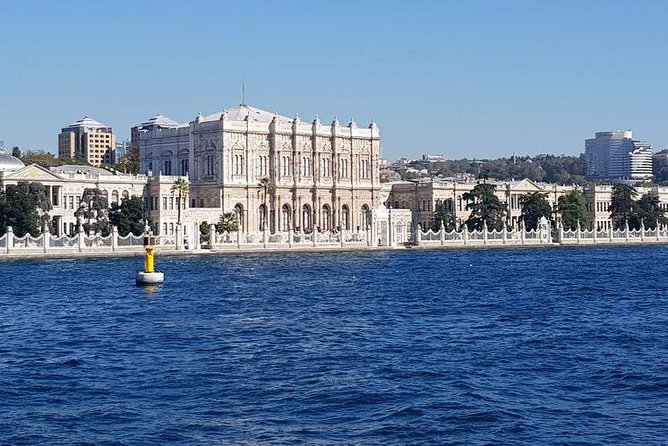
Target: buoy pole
x=149 y=260
x=150 y=275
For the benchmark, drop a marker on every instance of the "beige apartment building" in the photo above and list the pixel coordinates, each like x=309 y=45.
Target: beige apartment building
x=87 y=140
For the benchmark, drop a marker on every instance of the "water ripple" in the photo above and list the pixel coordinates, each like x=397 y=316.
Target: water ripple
x=565 y=346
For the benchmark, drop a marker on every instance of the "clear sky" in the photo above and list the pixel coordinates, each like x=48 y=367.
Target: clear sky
x=460 y=78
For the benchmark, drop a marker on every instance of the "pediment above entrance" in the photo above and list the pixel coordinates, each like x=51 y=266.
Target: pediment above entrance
x=33 y=172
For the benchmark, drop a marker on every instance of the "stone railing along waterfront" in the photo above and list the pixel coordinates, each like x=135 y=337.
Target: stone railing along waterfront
x=390 y=237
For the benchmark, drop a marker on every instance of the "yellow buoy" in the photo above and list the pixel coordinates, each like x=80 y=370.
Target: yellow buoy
x=150 y=276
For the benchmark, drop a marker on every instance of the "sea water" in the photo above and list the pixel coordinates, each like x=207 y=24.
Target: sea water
x=521 y=346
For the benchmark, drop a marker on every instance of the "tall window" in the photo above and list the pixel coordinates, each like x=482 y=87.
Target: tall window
x=238 y=164
x=305 y=167
x=324 y=167
x=286 y=166
x=262 y=165
x=167 y=167
x=364 y=169
x=184 y=167
x=285 y=217
x=343 y=168
x=345 y=217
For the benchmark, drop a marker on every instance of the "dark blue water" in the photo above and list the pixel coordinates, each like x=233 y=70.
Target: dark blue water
x=558 y=346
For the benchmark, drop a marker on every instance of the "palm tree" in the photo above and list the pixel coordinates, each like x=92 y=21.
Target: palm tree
x=182 y=187
x=265 y=186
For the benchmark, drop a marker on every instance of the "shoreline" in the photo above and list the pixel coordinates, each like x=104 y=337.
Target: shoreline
x=302 y=250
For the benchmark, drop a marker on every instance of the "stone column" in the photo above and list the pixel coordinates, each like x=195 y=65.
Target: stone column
x=177 y=238
x=212 y=235
x=9 y=239
x=114 y=238
x=657 y=230
x=465 y=233
x=595 y=232
x=81 y=237
x=196 y=235
x=484 y=232
x=417 y=233
x=390 y=229
x=46 y=238
x=370 y=233
x=505 y=233
x=642 y=230
x=441 y=233
x=578 y=235
x=626 y=230
x=238 y=236
x=522 y=232
x=290 y=236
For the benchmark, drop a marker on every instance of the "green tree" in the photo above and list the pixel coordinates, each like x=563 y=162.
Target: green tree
x=94 y=206
x=622 y=206
x=129 y=216
x=534 y=206
x=443 y=215
x=43 y=202
x=649 y=212
x=129 y=162
x=573 y=209
x=16 y=152
x=44 y=159
x=204 y=229
x=485 y=207
x=227 y=223
x=181 y=187
x=18 y=209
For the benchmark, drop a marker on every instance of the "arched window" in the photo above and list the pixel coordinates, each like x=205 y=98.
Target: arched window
x=345 y=217
x=286 y=213
x=114 y=197
x=263 y=217
x=239 y=212
x=325 y=223
x=306 y=217
x=365 y=217
x=126 y=195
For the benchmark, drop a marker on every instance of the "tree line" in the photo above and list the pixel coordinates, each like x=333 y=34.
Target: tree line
x=560 y=169
x=128 y=163
x=25 y=207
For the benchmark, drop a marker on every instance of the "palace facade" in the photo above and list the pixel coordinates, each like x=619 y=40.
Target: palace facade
x=426 y=196
x=275 y=173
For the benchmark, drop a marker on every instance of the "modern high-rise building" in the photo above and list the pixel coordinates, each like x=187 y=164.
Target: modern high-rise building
x=616 y=155
x=87 y=140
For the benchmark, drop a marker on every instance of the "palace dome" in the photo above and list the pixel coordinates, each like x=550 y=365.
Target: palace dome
x=9 y=162
x=244 y=112
x=159 y=121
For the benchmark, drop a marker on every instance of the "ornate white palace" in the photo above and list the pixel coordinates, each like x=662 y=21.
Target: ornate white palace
x=318 y=177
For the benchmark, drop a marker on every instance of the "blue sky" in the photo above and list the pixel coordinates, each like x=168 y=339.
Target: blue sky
x=463 y=79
